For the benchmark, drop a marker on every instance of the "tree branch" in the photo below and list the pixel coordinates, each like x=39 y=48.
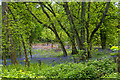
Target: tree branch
x=101 y=21
x=37 y=18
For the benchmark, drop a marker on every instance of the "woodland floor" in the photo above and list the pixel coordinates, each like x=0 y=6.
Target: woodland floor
x=46 y=54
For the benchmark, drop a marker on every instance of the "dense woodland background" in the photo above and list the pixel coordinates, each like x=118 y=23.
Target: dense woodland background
x=82 y=26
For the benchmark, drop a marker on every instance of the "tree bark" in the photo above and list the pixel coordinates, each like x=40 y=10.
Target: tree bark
x=30 y=45
x=103 y=38
x=13 y=55
x=3 y=54
x=83 y=23
x=30 y=48
x=118 y=61
x=3 y=30
x=73 y=29
x=26 y=58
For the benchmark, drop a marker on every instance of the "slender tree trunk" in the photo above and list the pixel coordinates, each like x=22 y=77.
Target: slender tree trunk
x=30 y=45
x=61 y=43
x=103 y=38
x=118 y=61
x=26 y=58
x=3 y=30
x=3 y=54
x=30 y=48
x=83 y=23
x=13 y=55
x=20 y=54
x=9 y=34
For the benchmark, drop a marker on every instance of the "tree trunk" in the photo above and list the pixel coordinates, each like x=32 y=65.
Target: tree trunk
x=26 y=58
x=83 y=23
x=73 y=29
x=13 y=55
x=61 y=43
x=97 y=27
x=30 y=48
x=30 y=45
x=74 y=50
x=118 y=62
x=20 y=54
x=3 y=54
x=70 y=36
x=3 y=30
x=9 y=34
x=89 y=50
x=103 y=38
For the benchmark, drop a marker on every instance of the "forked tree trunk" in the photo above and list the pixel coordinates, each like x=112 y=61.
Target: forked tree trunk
x=73 y=29
x=70 y=36
x=97 y=27
x=55 y=32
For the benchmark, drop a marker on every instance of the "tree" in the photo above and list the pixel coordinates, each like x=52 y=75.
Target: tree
x=52 y=29
x=118 y=62
x=10 y=43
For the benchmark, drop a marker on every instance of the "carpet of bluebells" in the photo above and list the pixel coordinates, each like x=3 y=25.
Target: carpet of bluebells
x=54 y=65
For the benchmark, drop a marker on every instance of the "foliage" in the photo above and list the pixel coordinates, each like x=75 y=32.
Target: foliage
x=92 y=69
x=112 y=75
x=112 y=54
x=24 y=23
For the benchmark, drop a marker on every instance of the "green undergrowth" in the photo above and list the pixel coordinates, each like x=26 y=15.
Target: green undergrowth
x=92 y=69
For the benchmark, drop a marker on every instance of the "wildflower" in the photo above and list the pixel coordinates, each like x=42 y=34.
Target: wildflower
x=20 y=71
x=24 y=60
x=114 y=48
